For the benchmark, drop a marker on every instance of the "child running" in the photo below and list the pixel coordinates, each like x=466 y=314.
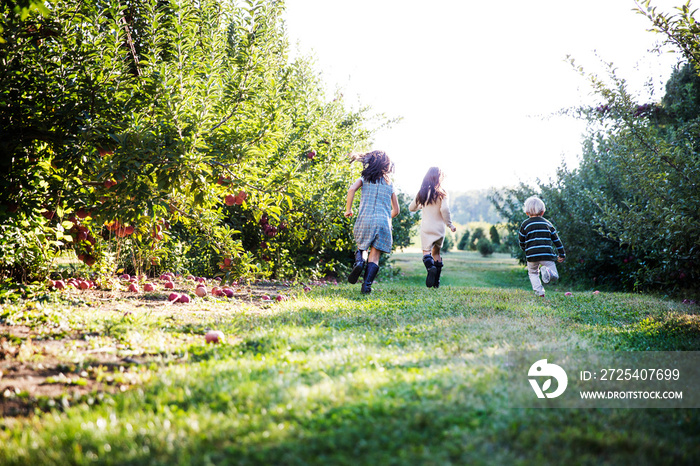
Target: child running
x=378 y=205
x=536 y=237
x=432 y=198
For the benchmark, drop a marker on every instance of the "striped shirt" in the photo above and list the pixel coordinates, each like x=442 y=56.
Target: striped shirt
x=536 y=237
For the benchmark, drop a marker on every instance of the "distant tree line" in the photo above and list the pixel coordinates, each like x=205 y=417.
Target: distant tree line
x=473 y=206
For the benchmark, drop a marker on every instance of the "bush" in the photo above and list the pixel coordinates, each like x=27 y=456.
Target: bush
x=464 y=241
x=495 y=237
x=448 y=243
x=478 y=234
x=485 y=247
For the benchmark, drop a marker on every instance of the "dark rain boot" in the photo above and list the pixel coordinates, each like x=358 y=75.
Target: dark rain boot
x=438 y=266
x=432 y=270
x=356 y=268
x=370 y=274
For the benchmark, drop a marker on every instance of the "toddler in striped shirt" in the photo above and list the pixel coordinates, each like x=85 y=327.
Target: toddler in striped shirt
x=541 y=243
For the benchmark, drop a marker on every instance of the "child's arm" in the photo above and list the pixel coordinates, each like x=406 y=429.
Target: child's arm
x=446 y=215
x=521 y=237
x=395 y=209
x=559 y=245
x=351 y=195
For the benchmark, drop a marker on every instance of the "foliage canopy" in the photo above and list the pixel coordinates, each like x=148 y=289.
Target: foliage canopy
x=153 y=134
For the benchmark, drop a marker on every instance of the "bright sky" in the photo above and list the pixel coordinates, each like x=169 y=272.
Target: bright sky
x=470 y=77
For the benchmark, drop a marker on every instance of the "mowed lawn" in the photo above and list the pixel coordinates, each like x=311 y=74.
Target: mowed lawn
x=407 y=375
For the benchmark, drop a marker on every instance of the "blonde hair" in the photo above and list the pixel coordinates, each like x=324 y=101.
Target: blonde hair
x=533 y=205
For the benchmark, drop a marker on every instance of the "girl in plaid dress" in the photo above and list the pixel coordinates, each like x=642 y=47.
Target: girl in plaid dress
x=378 y=205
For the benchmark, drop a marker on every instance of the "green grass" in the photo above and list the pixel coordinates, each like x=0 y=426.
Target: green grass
x=407 y=375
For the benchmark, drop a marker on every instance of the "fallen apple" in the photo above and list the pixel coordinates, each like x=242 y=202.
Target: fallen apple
x=148 y=287
x=200 y=291
x=214 y=336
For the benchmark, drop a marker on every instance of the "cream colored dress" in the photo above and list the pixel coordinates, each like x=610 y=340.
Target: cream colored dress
x=435 y=217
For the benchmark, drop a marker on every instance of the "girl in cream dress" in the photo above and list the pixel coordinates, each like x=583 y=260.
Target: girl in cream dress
x=432 y=199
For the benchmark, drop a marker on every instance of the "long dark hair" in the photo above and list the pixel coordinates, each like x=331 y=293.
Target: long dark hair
x=431 y=190
x=376 y=165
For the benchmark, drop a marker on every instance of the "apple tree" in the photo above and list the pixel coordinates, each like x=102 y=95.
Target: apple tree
x=157 y=134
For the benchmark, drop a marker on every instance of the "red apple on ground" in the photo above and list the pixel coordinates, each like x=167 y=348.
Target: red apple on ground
x=134 y=288
x=214 y=336
x=174 y=297
x=169 y=285
x=200 y=291
x=148 y=287
x=184 y=299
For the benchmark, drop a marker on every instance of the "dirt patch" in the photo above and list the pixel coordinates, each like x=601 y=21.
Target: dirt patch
x=47 y=364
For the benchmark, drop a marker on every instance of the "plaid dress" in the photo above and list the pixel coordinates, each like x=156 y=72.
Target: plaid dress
x=373 y=224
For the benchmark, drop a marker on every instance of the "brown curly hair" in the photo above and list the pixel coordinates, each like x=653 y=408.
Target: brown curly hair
x=376 y=165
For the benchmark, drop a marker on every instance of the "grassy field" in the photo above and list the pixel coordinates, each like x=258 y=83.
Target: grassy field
x=407 y=375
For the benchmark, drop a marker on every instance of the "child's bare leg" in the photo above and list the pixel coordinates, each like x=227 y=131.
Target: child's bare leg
x=436 y=253
x=374 y=255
